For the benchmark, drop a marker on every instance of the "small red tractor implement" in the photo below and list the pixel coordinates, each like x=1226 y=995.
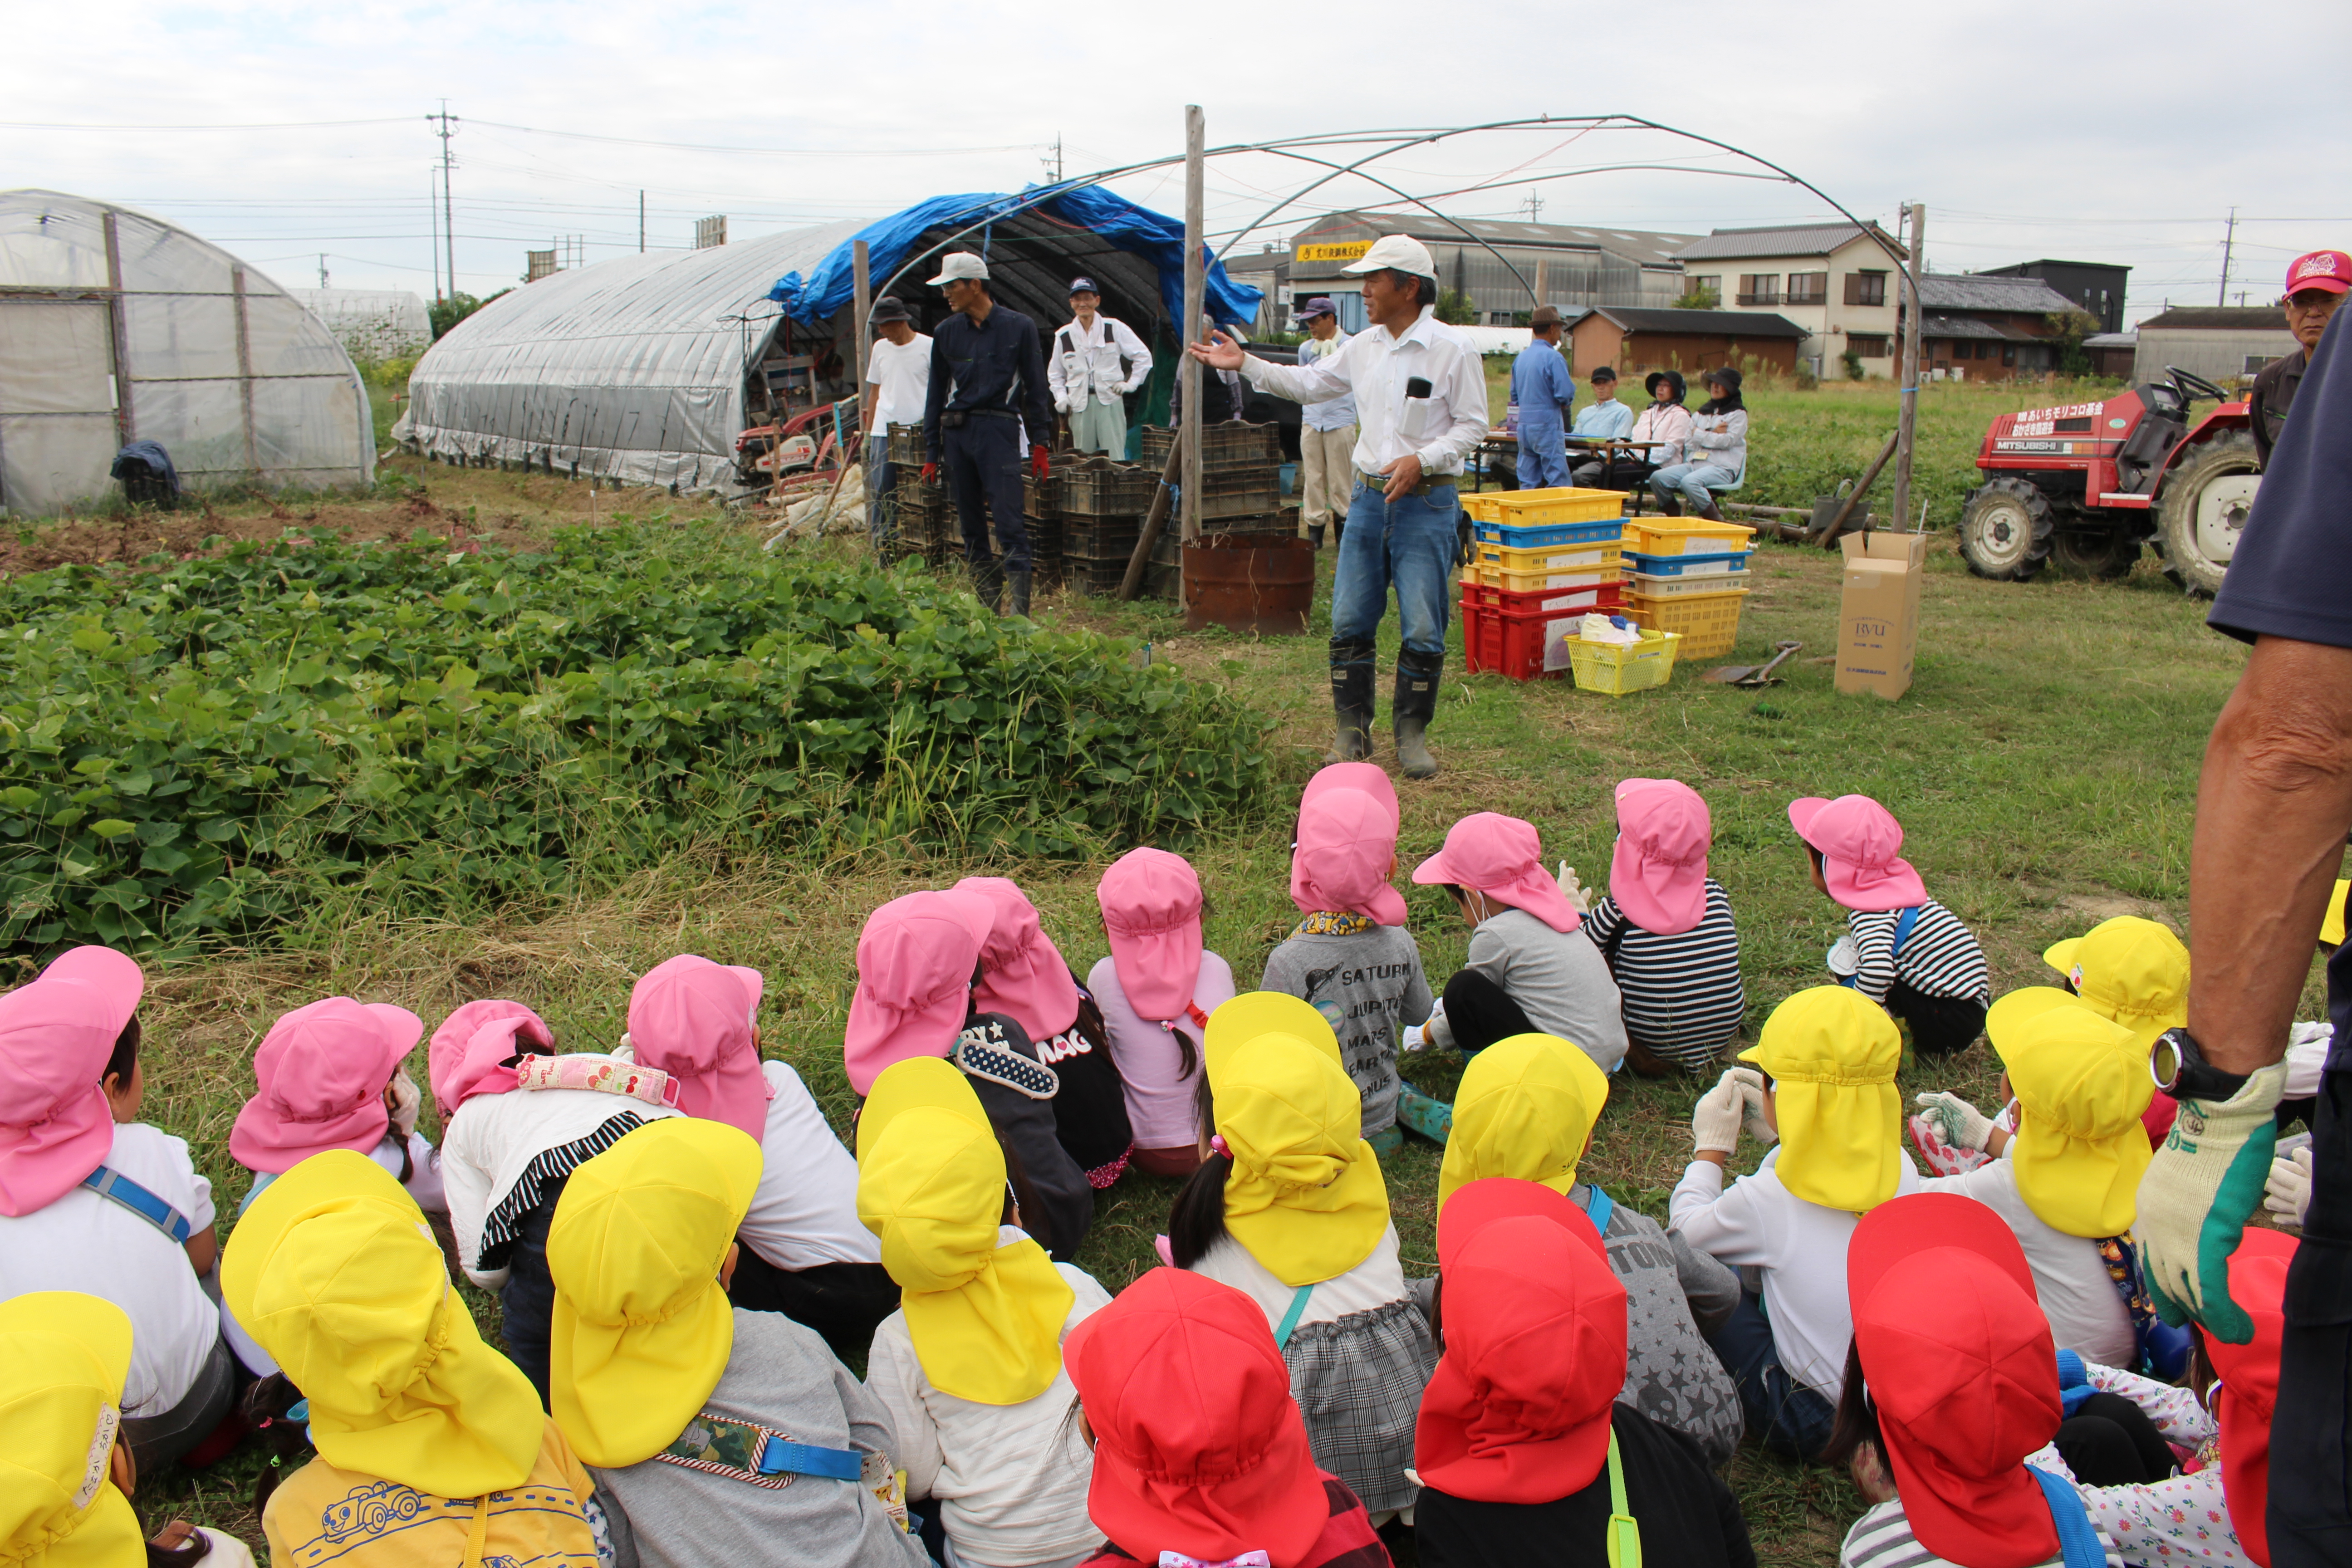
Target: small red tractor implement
x=2088 y=484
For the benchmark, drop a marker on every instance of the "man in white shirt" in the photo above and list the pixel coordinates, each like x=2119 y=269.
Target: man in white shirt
x=1421 y=407
x=1326 y=430
x=1084 y=368
x=898 y=380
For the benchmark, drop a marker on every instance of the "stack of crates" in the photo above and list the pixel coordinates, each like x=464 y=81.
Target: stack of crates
x=1042 y=499
x=1689 y=575
x=1545 y=559
x=923 y=520
x=1240 y=475
x=1102 y=506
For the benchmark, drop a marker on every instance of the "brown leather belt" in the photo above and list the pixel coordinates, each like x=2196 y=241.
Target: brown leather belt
x=1428 y=482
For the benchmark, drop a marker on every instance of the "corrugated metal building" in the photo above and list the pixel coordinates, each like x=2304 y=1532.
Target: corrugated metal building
x=2221 y=343
x=1569 y=266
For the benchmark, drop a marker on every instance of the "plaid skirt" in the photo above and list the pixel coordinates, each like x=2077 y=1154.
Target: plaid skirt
x=1359 y=1381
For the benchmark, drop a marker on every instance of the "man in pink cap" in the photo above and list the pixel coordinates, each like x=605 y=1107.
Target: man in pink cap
x=2315 y=285
x=1666 y=929
x=1902 y=949
x=93 y=1199
x=1531 y=969
x=1156 y=991
x=1351 y=958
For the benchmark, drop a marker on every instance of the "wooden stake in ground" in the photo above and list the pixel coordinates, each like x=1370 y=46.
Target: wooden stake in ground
x=859 y=280
x=1861 y=488
x=1188 y=438
x=1155 y=522
x=1909 y=420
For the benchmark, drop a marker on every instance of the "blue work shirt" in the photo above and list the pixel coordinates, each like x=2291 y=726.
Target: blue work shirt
x=1332 y=413
x=1610 y=420
x=2291 y=574
x=1541 y=384
x=999 y=366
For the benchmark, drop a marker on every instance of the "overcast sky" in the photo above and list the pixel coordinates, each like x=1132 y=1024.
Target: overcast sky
x=2106 y=132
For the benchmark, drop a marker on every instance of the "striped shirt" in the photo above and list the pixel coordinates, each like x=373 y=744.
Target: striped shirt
x=1882 y=1538
x=1683 y=996
x=1940 y=958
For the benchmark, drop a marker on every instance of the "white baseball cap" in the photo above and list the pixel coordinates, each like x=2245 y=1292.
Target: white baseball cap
x=965 y=264
x=1398 y=252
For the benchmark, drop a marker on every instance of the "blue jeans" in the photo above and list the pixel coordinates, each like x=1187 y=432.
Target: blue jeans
x=881 y=475
x=1543 y=454
x=1790 y=1419
x=1409 y=543
x=1695 y=480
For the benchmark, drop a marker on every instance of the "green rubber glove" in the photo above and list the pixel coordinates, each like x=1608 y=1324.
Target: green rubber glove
x=2199 y=1192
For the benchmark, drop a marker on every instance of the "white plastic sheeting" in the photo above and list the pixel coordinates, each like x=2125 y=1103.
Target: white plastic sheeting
x=629 y=369
x=371 y=323
x=115 y=326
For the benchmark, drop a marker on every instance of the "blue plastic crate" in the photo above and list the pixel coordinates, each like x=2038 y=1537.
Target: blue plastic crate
x=1686 y=566
x=1517 y=537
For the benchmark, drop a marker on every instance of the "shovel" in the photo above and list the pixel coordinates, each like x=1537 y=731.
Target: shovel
x=1754 y=675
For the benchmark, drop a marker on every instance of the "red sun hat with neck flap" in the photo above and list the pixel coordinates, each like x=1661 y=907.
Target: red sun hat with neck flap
x=1502 y=857
x=1861 y=844
x=1957 y=1358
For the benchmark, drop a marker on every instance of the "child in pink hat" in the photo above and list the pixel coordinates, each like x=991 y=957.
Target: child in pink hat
x=1023 y=976
x=1157 y=990
x=917 y=960
x=1351 y=958
x=93 y=1199
x=1531 y=969
x=1902 y=949
x=1665 y=927
x=329 y=1076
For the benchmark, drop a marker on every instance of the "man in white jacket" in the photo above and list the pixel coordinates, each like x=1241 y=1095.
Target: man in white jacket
x=1084 y=367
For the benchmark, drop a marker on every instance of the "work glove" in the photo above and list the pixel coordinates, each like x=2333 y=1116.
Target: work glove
x=930 y=473
x=1037 y=461
x=2288 y=1194
x=1956 y=1122
x=1715 y=1120
x=1751 y=1105
x=1416 y=1037
x=405 y=1099
x=1579 y=896
x=2196 y=1197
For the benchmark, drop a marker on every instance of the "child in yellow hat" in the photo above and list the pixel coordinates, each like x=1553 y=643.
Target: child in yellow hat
x=1823 y=1090
x=969 y=1367
x=713 y=1432
x=1526 y=1109
x=432 y=1446
x=1290 y=1208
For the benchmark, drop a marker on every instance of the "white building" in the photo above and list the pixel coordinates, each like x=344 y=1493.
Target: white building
x=1835 y=281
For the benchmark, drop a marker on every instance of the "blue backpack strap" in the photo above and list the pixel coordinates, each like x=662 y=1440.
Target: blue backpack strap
x=781 y=1456
x=2078 y=1541
x=1290 y=1319
x=116 y=1187
x=1904 y=925
x=1598 y=1206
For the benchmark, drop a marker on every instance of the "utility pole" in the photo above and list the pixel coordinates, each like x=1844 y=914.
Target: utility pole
x=323 y=269
x=641 y=223
x=1909 y=419
x=1535 y=207
x=1196 y=281
x=448 y=230
x=433 y=216
x=1054 y=164
x=2229 y=238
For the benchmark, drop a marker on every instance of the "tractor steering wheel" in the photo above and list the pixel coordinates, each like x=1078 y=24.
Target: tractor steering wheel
x=2192 y=386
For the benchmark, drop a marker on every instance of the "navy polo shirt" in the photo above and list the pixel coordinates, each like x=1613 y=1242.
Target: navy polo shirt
x=2291 y=575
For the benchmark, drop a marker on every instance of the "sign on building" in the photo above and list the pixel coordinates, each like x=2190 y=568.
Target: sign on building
x=1344 y=250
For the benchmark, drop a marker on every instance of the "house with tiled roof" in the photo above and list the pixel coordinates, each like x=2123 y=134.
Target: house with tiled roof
x=1835 y=281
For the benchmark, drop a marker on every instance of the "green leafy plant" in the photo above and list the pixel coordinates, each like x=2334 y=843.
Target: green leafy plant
x=1456 y=308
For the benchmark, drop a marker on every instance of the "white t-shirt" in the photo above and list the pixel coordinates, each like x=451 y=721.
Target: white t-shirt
x=2077 y=1295
x=1011 y=1479
x=88 y=1243
x=1800 y=1246
x=1370 y=1285
x=805 y=1212
x=904 y=375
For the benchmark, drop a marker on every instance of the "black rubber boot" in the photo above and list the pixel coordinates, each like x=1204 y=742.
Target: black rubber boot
x=1315 y=534
x=1351 y=707
x=988 y=582
x=1710 y=512
x=1414 y=705
x=1019 y=577
x=1671 y=505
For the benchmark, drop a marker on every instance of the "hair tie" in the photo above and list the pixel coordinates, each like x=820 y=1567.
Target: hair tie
x=1217 y=1145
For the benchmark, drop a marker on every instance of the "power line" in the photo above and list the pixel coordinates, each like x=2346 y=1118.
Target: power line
x=761 y=151
x=259 y=126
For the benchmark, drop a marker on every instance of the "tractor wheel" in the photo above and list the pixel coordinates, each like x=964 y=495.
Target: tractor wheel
x=2203 y=508
x=2005 y=530
x=2105 y=556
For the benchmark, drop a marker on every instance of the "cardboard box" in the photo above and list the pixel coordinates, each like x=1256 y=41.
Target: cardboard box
x=1878 y=612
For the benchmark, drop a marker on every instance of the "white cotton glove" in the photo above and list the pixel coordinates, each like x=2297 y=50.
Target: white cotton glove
x=1416 y=1037
x=1956 y=1122
x=2288 y=1194
x=1575 y=893
x=2307 y=1056
x=1751 y=1105
x=406 y=1101
x=1715 y=1120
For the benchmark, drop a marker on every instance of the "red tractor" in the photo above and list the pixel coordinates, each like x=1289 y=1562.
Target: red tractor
x=2086 y=485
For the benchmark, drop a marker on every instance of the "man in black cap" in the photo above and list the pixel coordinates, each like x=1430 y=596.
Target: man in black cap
x=897 y=384
x=1090 y=382
x=988 y=381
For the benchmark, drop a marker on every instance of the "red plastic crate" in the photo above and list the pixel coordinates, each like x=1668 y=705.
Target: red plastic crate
x=1607 y=599
x=1513 y=646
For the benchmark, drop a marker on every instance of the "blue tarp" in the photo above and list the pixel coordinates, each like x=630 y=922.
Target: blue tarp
x=1137 y=231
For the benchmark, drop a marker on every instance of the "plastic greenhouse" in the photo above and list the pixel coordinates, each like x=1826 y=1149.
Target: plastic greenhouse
x=376 y=323
x=115 y=326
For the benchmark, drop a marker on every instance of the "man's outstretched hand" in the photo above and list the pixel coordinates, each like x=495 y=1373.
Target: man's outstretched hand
x=1220 y=352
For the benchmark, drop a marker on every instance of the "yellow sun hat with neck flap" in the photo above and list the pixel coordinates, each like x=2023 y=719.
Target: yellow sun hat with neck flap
x=1525 y=1110
x=2130 y=971
x=1831 y=1053
x=2081 y=1081
x=63 y=1359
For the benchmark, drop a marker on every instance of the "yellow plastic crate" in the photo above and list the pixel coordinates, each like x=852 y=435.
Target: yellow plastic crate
x=1684 y=536
x=1616 y=669
x=1533 y=509
x=1591 y=556
x=1709 y=622
x=1489 y=574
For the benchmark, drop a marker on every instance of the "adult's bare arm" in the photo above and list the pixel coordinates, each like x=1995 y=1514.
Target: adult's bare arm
x=2272 y=806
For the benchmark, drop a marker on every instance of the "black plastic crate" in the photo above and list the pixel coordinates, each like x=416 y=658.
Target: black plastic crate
x=1097 y=487
x=1101 y=537
x=904 y=443
x=1239 y=492
x=1228 y=444
x=1087 y=575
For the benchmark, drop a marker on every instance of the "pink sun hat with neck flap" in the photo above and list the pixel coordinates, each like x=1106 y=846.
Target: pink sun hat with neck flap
x=56 y=1032
x=1658 y=871
x=692 y=1018
x=1151 y=911
x=1347 y=845
x=1022 y=973
x=469 y=1053
x=1502 y=857
x=1861 y=845
x=319 y=1077
x=915 y=959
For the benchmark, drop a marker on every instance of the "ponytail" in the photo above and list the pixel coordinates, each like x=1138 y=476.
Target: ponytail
x=1197 y=1222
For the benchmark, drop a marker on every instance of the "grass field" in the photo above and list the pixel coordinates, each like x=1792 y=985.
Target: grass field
x=2043 y=764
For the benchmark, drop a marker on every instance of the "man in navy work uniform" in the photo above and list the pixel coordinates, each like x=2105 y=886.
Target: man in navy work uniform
x=1544 y=388
x=988 y=379
x=2273 y=804
x=1421 y=407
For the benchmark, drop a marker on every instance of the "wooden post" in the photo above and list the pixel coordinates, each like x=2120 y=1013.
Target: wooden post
x=1196 y=280
x=245 y=374
x=1154 y=522
x=862 y=331
x=1911 y=316
x=126 y=422
x=1861 y=488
